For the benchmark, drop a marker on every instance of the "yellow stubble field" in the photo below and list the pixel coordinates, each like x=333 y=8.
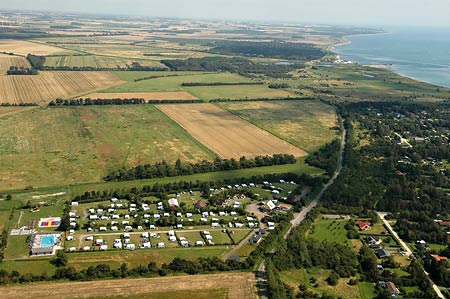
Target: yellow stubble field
x=227 y=134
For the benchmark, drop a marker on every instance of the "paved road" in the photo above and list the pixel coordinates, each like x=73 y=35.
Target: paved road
x=394 y=233
x=238 y=246
x=299 y=217
x=408 y=252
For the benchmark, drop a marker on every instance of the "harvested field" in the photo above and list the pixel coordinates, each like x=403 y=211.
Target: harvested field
x=7 y=60
x=226 y=134
x=47 y=86
x=239 y=285
x=23 y=48
x=305 y=124
x=174 y=95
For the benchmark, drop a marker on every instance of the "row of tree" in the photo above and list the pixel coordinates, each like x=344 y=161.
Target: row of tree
x=117 y=101
x=20 y=70
x=192 y=84
x=164 y=169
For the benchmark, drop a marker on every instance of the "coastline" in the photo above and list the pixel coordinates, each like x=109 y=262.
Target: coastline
x=390 y=66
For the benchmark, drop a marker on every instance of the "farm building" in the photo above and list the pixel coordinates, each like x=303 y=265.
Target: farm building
x=363 y=226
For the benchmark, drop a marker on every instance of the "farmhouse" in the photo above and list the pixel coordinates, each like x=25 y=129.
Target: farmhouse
x=363 y=226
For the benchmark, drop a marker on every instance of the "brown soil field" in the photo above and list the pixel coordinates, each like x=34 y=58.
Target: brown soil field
x=6 y=61
x=226 y=134
x=176 y=95
x=47 y=86
x=239 y=285
x=20 y=47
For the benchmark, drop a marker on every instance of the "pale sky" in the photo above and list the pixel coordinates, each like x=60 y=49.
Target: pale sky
x=350 y=12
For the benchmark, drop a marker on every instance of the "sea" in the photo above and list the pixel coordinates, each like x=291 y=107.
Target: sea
x=419 y=53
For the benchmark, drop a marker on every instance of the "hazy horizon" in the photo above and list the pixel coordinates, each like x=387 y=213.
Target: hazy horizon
x=345 y=12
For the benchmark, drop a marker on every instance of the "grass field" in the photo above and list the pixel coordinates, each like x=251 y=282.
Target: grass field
x=83 y=260
x=366 y=290
x=85 y=60
x=48 y=86
x=329 y=230
x=58 y=146
x=6 y=61
x=237 y=92
x=296 y=277
x=305 y=124
x=78 y=189
x=174 y=83
x=225 y=133
x=237 y=286
x=168 y=95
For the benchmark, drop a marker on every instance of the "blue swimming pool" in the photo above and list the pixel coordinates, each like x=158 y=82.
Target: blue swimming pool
x=47 y=241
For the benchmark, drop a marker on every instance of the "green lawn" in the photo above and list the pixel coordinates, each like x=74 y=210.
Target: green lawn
x=366 y=290
x=32 y=265
x=17 y=247
x=305 y=124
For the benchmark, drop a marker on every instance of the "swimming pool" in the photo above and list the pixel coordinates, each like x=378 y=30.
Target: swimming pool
x=47 y=241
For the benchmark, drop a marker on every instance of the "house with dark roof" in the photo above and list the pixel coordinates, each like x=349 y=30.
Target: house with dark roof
x=381 y=253
x=256 y=239
x=373 y=241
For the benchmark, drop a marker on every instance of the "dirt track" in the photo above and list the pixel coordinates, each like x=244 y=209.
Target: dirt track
x=239 y=285
x=226 y=134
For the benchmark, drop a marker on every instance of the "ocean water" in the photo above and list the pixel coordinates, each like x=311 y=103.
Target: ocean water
x=423 y=54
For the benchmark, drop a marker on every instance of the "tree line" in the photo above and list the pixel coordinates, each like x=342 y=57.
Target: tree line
x=219 y=83
x=117 y=101
x=241 y=66
x=20 y=70
x=164 y=169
